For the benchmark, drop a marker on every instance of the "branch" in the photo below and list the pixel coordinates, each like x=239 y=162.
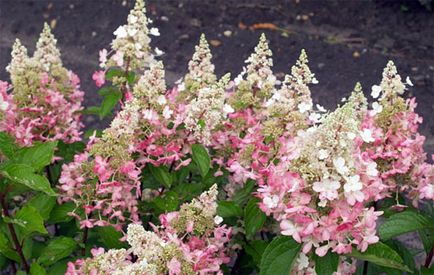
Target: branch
x=18 y=247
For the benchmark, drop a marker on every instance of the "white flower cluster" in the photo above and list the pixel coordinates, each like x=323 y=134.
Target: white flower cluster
x=47 y=54
x=141 y=241
x=200 y=67
x=151 y=87
x=207 y=111
x=294 y=94
x=207 y=202
x=19 y=60
x=326 y=160
x=259 y=71
x=132 y=40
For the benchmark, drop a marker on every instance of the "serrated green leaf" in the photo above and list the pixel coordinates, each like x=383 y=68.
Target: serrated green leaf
x=43 y=203
x=254 y=218
x=6 y=248
x=32 y=220
x=110 y=237
x=59 y=213
x=7 y=145
x=57 y=249
x=108 y=103
x=113 y=72
x=405 y=254
x=255 y=249
x=59 y=268
x=279 y=256
x=36 y=269
x=92 y=110
x=201 y=158
x=227 y=209
x=38 y=156
x=326 y=265
x=244 y=193
x=105 y=91
x=162 y=175
x=25 y=174
x=427 y=271
x=168 y=203
x=382 y=255
x=403 y=222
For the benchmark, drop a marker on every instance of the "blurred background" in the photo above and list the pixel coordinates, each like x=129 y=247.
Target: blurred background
x=346 y=41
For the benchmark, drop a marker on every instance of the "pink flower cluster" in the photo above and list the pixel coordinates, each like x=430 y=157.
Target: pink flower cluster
x=399 y=151
x=51 y=116
x=189 y=241
x=45 y=102
x=101 y=191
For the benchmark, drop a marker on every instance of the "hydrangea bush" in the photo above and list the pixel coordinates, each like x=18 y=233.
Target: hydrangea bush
x=215 y=175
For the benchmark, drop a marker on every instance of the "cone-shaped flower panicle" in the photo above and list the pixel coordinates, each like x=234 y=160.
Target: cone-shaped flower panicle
x=200 y=67
x=19 y=61
x=47 y=54
x=131 y=45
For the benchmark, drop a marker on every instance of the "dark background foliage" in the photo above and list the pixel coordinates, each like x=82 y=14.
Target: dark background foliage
x=346 y=41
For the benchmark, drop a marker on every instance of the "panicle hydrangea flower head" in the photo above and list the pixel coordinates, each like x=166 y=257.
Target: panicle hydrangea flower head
x=317 y=194
x=259 y=82
x=392 y=139
x=206 y=112
x=200 y=68
x=165 y=250
x=132 y=43
x=45 y=101
x=290 y=107
x=47 y=55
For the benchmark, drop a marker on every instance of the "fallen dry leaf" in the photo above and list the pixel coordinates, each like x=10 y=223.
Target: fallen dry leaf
x=215 y=42
x=264 y=26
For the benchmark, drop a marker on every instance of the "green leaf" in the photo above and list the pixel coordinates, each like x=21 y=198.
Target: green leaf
x=36 y=269
x=57 y=249
x=113 y=72
x=254 y=218
x=59 y=213
x=131 y=77
x=326 y=265
x=108 y=103
x=59 y=268
x=244 y=194
x=279 y=256
x=168 y=203
x=68 y=150
x=382 y=255
x=255 y=249
x=201 y=158
x=43 y=203
x=427 y=271
x=427 y=238
x=6 y=248
x=405 y=254
x=403 y=222
x=7 y=145
x=105 y=91
x=32 y=221
x=227 y=209
x=25 y=174
x=92 y=110
x=162 y=175
x=38 y=156
x=110 y=237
